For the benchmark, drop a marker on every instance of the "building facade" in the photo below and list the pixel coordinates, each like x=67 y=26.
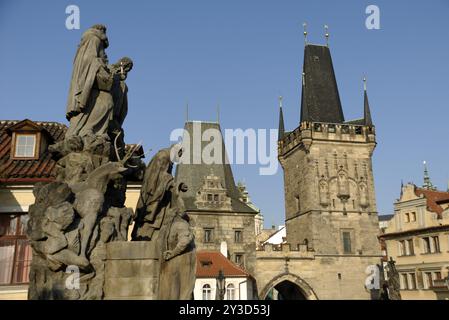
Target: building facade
x=417 y=238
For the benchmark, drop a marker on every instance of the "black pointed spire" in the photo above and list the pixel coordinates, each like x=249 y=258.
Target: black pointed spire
x=320 y=101
x=281 y=121
x=366 y=110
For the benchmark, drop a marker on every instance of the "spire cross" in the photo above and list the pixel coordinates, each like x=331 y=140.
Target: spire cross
x=304 y=25
x=326 y=34
x=364 y=83
x=280 y=101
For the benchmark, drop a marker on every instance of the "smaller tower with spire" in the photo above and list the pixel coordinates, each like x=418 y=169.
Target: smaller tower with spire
x=427 y=182
x=366 y=110
x=281 y=121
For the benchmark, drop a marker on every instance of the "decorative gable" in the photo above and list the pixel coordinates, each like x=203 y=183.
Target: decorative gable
x=212 y=194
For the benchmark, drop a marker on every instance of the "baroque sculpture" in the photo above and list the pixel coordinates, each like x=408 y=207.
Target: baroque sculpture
x=77 y=218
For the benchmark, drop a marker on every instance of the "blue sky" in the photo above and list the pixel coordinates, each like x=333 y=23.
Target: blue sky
x=243 y=55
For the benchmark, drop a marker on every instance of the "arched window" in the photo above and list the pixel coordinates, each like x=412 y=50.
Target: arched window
x=207 y=292
x=230 y=292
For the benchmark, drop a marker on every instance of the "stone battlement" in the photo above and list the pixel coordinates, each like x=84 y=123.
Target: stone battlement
x=299 y=251
x=341 y=132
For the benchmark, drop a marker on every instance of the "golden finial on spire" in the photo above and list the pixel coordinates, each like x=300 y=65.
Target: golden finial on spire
x=326 y=34
x=304 y=25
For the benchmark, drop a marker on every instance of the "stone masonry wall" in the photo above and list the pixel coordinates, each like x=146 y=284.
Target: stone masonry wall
x=224 y=225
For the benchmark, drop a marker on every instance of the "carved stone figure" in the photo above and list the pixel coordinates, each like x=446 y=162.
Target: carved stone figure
x=363 y=189
x=324 y=192
x=74 y=217
x=120 y=98
x=178 y=261
x=155 y=195
x=90 y=103
x=76 y=220
x=393 y=281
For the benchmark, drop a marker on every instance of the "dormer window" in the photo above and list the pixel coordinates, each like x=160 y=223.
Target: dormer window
x=28 y=140
x=25 y=145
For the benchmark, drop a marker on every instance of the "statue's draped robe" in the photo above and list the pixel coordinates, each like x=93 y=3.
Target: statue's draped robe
x=120 y=97
x=90 y=104
x=155 y=197
x=177 y=275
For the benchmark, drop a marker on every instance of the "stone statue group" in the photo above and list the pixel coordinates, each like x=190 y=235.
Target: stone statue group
x=83 y=211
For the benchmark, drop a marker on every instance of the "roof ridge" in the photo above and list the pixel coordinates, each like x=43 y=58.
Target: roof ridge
x=35 y=121
x=427 y=190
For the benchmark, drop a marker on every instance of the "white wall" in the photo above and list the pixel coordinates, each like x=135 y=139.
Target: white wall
x=242 y=287
x=278 y=237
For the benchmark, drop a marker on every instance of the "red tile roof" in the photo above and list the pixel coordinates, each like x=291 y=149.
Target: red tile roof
x=30 y=171
x=209 y=264
x=433 y=198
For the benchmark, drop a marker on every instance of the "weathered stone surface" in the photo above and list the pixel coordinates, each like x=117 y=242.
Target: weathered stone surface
x=130 y=288
x=162 y=222
x=75 y=216
x=123 y=250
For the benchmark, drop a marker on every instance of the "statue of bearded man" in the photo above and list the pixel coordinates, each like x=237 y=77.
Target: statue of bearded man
x=90 y=103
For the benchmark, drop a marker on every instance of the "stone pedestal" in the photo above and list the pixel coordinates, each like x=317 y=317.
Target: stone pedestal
x=131 y=271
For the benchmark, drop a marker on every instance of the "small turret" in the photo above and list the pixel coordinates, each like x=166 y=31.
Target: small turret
x=281 y=121
x=366 y=110
x=427 y=183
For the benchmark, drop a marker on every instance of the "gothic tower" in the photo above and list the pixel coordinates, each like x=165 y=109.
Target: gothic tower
x=330 y=202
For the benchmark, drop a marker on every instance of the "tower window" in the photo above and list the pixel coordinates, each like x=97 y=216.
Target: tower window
x=215 y=197
x=238 y=236
x=208 y=235
x=331 y=128
x=238 y=258
x=358 y=130
x=347 y=242
x=209 y=197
